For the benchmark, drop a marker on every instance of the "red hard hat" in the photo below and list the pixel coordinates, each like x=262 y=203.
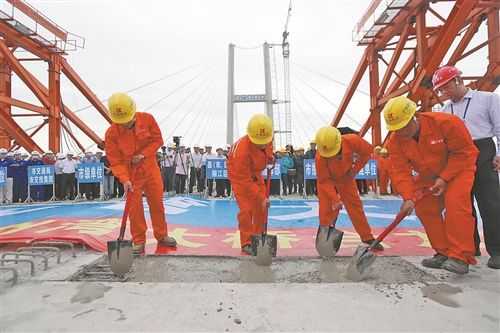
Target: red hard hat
x=444 y=75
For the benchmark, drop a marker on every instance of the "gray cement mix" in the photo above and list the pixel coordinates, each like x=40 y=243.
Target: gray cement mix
x=191 y=269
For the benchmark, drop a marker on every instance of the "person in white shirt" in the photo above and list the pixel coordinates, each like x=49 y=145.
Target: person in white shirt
x=68 y=166
x=480 y=111
x=195 y=176
x=181 y=170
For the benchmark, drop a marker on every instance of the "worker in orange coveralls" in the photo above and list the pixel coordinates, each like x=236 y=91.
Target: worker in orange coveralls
x=433 y=152
x=383 y=168
x=339 y=159
x=131 y=144
x=247 y=159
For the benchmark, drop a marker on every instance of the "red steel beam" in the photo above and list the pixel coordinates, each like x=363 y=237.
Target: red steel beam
x=465 y=41
x=16 y=39
x=55 y=103
x=374 y=85
x=85 y=90
x=394 y=60
x=454 y=23
x=23 y=74
x=493 y=32
x=421 y=35
x=23 y=105
x=17 y=133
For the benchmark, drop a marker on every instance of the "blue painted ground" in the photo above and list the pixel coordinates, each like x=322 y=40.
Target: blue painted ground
x=205 y=213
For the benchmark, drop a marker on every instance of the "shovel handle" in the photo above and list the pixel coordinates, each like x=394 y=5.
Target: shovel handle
x=123 y=225
x=400 y=217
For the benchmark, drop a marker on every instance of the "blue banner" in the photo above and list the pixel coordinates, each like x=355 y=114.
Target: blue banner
x=309 y=169
x=276 y=173
x=369 y=171
x=3 y=175
x=216 y=169
x=90 y=173
x=40 y=175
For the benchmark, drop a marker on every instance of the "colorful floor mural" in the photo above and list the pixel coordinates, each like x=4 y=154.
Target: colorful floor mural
x=206 y=227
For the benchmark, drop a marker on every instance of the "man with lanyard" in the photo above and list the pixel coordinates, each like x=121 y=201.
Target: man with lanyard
x=480 y=112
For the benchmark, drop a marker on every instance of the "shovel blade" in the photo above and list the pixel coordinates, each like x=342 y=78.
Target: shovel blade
x=264 y=248
x=120 y=256
x=328 y=240
x=361 y=260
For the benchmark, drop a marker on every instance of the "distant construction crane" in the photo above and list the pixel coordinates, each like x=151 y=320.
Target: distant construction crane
x=400 y=29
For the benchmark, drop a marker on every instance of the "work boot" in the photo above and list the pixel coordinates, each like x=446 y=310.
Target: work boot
x=456 y=266
x=247 y=249
x=378 y=247
x=138 y=249
x=494 y=262
x=478 y=253
x=168 y=241
x=434 y=262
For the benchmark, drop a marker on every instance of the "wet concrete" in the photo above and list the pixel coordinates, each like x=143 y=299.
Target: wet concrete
x=88 y=293
x=194 y=269
x=442 y=293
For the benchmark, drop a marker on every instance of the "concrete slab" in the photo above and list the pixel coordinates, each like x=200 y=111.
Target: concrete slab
x=436 y=302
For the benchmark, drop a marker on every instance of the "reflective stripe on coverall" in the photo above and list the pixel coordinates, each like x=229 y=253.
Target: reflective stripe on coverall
x=245 y=164
x=444 y=149
x=121 y=145
x=332 y=177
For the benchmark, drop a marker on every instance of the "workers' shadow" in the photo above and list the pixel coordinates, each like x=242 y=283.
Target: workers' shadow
x=250 y=272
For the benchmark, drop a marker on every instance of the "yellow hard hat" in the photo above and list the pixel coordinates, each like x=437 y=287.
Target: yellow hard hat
x=313 y=141
x=377 y=150
x=260 y=129
x=384 y=152
x=328 y=140
x=398 y=112
x=121 y=108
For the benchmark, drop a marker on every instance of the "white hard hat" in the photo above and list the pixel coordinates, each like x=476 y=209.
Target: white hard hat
x=49 y=152
x=17 y=152
x=60 y=155
x=35 y=153
x=70 y=153
x=196 y=146
x=3 y=151
x=10 y=154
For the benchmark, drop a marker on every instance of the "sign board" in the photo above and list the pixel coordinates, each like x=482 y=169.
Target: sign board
x=276 y=173
x=216 y=169
x=249 y=98
x=369 y=171
x=40 y=175
x=90 y=173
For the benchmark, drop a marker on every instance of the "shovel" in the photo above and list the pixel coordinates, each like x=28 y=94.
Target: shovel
x=328 y=240
x=120 y=251
x=264 y=246
x=364 y=257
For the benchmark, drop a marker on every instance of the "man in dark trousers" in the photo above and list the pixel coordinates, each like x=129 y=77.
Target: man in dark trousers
x=311 y=183
x=480 y=111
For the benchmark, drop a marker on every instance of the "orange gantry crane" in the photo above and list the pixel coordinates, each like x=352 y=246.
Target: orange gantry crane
x=23 y=28
x=396 y=29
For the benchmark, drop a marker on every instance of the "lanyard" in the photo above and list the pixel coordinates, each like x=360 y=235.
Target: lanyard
x=466 y=108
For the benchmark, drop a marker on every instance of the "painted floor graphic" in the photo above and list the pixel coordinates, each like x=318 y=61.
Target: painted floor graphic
x=207 y=227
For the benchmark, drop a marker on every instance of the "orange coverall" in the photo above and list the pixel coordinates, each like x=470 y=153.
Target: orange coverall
x=121 y=144
x=444 y=149
x=332 y=177
x=245 y=164
x=383 y=168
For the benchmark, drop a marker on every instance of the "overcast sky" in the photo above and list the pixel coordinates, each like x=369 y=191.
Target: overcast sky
x=129 y=43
